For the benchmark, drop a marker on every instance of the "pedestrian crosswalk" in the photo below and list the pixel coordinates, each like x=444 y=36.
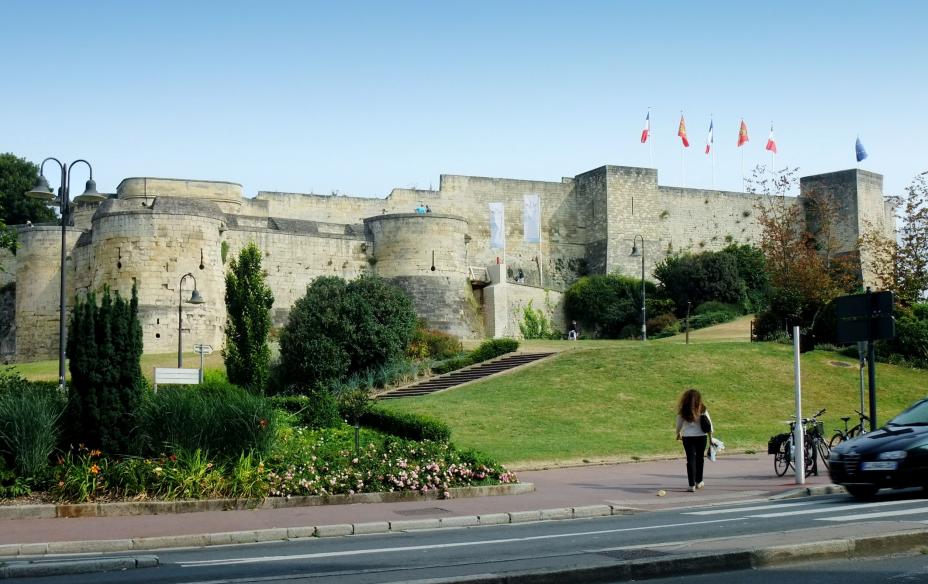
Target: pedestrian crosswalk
x=828 y=510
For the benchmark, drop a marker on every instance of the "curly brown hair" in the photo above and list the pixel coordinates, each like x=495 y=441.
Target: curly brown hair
x=690 y=406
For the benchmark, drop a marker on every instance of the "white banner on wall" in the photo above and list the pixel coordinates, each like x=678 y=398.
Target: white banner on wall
x=531 y=217
x=497 y=226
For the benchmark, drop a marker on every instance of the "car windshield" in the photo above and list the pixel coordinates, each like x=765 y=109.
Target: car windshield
x=916 y=415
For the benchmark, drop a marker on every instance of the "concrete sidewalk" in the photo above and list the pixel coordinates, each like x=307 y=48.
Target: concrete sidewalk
x=629 y=485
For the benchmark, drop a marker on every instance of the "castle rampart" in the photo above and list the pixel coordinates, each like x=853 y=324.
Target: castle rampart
x=153 y=231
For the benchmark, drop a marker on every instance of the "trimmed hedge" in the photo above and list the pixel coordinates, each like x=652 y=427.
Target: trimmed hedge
x=492 y=348
x=406 y=425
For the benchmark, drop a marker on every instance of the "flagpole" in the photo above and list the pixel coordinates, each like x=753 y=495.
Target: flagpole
x=742 y=167
x=682 y=156
x=712 y=138
x=650 y=139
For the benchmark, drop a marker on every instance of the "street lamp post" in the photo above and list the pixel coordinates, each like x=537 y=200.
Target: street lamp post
x=195 y=298
x=635 y=253
x=42 y=191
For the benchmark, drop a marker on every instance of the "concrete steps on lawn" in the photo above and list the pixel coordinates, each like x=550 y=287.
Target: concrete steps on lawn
x=466 y=375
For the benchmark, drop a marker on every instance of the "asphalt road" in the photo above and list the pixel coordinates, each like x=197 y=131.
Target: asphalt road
x=910 y=569
x=446 y=553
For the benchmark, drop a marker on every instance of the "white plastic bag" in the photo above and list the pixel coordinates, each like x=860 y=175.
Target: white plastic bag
x=714 y=446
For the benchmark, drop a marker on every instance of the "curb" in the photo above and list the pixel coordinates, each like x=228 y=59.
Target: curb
x=132 y=508
x=283 y=534
x=60 y=568
x=809 y=492
x=704 y=563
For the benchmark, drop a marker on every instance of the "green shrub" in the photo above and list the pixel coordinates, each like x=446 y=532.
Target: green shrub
x=716 y=306
x=407 y=425
x=663 y=325
x=453 y=364
x=105 y=350
x=433 y=344
x=11 y=484
x=220 y=419
x=341 y=328
x=313 y=407
x=29 y=424
x=605 y=304
x=535 y=325
x=710 y=318
x=699 y=278
x=492 y=348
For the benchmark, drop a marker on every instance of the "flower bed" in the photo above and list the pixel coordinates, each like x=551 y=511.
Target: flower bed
x=304 y=462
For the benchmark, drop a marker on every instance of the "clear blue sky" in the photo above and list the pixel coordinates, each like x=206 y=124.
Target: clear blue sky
x=366 y=96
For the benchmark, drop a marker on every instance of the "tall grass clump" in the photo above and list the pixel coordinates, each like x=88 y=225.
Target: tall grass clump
x=217 y=418
x=29 y=423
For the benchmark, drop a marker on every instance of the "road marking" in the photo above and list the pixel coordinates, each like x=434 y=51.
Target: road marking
x=830 y=509
x=920 y=510
x=742 y=509
x=262 y=559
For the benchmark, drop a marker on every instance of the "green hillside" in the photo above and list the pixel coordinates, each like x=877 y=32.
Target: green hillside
x=616 y=400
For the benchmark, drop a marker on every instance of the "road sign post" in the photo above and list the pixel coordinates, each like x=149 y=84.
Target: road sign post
x=866 y=317
x=202 y=350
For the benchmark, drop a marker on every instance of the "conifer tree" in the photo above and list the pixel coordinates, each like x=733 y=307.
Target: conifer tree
x=248 y=304
x=105 y=350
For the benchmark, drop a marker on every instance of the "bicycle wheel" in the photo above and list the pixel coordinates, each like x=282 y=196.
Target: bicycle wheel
x=781 y=458
x=824 y=451
x=838 y=438
x=808 y=444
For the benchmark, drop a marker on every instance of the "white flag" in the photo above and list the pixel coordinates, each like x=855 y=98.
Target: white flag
x=497 y=226
x=531 y=217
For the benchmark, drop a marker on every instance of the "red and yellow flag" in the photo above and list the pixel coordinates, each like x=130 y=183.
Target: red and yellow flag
x=682 y=132
x=742 y=134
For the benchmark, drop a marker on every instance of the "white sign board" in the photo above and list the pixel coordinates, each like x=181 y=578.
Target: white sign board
x=202 y=349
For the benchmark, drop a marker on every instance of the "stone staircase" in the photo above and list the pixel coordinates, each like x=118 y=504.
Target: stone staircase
x=465 y=375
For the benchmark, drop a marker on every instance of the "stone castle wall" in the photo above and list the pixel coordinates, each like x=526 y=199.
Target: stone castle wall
x=156 y=230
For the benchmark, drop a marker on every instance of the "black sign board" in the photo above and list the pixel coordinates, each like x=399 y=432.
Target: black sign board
x=865 y=317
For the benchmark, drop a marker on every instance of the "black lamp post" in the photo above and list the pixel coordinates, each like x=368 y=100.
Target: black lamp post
x=41 y=190
x=635 y=253
x=195 y=298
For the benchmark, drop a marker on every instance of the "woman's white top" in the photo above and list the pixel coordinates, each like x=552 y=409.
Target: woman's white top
x=691 y=428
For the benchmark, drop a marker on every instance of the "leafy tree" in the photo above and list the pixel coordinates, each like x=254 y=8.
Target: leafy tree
x=341 y=328
x=535 y=324
x=105 y=352
x=699 y=278
x=902 y=265
x=800 y=246
x=607 y=303
x=248 y=304
x=18 y=175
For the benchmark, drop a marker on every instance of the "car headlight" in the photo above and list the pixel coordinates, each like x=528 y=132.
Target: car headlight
x=892 y=455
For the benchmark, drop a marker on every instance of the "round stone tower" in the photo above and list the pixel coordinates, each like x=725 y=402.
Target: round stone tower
x=38 y=282
x=425 y=255
x=153 y=244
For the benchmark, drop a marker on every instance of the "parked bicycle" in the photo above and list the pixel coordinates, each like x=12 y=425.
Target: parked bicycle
x=840 y=436
x=783 y=448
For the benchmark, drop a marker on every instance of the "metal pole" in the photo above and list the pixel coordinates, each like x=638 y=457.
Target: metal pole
x=201 y=366
x=62 y=329
x=862 y=358
x=688 y=303
x=180 y=317
x=799 y=456
x=871 y=370
x=644 y=326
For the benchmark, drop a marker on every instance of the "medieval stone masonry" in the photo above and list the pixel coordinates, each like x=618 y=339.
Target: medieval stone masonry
x=152 y=231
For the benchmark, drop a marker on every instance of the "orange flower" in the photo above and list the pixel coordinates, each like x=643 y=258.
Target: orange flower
x=263 y=423
x=94 y=469
x=95 y=453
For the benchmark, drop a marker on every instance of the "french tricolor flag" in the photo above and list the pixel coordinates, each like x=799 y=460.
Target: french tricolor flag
x=647 y=128
x=709 y=138
x=771 y=143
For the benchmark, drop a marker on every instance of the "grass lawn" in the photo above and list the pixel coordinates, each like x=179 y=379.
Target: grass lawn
x=614 y=400
x=48 y=370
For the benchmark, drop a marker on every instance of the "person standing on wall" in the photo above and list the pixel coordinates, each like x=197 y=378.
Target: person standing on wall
x=694 y=426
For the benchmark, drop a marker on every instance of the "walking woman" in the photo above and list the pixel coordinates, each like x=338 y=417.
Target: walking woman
x=693 y=426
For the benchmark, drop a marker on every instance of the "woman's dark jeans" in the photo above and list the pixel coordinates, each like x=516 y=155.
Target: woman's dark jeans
x=695 y=447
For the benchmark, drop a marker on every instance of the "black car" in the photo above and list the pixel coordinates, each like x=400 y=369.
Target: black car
x=895 y=456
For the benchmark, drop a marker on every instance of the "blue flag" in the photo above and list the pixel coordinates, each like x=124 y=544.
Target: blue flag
x=861 y=153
